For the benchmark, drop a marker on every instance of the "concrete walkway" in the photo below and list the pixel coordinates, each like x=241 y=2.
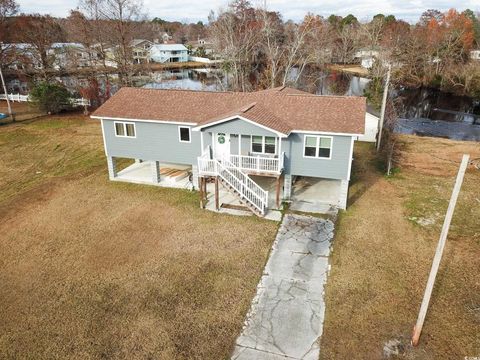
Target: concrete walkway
x=286 y=317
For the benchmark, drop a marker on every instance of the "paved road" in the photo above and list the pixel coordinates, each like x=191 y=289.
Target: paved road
x=286 y=317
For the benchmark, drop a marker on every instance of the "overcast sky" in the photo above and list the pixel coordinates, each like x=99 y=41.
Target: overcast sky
x=194 y=10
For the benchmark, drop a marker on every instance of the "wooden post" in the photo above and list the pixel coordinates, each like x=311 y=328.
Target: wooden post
x=205 y=194
x=200 y=187
x=384 y=104
x=278 y=191
x=217 y=200
x=417 y=329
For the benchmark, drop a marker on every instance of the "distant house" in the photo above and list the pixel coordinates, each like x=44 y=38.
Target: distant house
x=141 y=50
x=200 y=47
x=248 y=142
x=162 y=53
x=475 y=55
x=367 y=57
x=166 y=37
x=70 y=56
x=21 y=56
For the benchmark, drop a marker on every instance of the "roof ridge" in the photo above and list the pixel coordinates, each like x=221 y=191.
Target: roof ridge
x=247 y=107
x=183 y=90
x=326 y=96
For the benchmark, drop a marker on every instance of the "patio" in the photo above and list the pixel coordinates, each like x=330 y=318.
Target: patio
x=230 y=202
x=141 y=173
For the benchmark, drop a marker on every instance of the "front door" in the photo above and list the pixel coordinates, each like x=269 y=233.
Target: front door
x=222 y=145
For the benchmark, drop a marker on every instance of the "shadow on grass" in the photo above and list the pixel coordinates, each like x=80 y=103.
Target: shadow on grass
x=366 y=170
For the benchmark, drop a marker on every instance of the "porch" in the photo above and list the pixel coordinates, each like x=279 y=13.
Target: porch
x=252 y=154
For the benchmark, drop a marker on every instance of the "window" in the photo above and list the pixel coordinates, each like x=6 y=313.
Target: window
x=264 y=144
x=123 y=129
x=318 y=146
x=184 y=134
x=257 y=144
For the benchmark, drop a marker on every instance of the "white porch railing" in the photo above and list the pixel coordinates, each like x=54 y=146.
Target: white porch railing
x=233 y=176
x=258 y=164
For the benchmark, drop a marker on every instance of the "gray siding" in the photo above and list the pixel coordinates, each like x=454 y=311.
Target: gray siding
x=334 y=168
x=153 y=141
x=238 y=126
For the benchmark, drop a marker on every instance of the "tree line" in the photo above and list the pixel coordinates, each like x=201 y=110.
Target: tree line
x=260 y=49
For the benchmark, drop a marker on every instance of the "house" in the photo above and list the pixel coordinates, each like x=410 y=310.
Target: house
x=475 y=55
x=69 y=56
x=141 y=50
x=166 y=37
x=21 y=56
x=257 y=145
x=163 y=53
x=367 y=57
x=371 y=128
x=200 y=47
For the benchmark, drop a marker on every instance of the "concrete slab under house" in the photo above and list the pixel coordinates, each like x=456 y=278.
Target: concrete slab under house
x=245 y=153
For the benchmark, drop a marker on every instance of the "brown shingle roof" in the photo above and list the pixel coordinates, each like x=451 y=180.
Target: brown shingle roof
x=281 y=109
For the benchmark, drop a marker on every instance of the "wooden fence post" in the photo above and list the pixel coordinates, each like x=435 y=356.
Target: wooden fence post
x=417 y=330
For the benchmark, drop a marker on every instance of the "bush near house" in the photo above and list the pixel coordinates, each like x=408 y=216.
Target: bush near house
x=51 y=97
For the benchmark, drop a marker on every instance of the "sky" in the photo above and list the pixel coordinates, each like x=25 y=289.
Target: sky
x=195 y=10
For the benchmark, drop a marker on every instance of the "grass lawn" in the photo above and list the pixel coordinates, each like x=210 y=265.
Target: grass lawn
x=382 y=256
x=22 y=110
x=96 y=269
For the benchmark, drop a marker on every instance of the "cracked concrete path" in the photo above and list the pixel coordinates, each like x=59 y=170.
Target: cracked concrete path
x=286 y=317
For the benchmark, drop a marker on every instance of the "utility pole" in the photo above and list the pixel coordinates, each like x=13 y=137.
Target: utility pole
x=384 y=104
x=6 y=95
x=417 y=330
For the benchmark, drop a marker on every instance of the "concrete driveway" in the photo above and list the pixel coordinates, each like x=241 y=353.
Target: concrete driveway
x=286 y=317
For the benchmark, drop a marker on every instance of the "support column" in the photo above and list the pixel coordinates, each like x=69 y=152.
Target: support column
x=287 y=187
x=342 y=202
x=217 y=200
x=112 y=167
x=195 y=183
x=155 y=172
x=201 y=193
x=279 y=185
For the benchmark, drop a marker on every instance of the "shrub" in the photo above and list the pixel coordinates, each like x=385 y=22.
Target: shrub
x=51 y=97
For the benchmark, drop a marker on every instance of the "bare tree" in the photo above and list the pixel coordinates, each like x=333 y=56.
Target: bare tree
x=40 y=32
x=296 y=56
x=235 y=35
x=8 y=8
x=273 y=39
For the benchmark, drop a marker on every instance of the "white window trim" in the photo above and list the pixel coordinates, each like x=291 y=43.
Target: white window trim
x=124 y=124
x=317 y=146
x=189 y=134
x=263 y=145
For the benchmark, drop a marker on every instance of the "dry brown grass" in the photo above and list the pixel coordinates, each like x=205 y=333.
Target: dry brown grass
x=93 y=269
x=22 y=110
x=382 y=255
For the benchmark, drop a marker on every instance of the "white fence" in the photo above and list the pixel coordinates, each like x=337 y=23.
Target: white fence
x=25 y=98
x=14 y=97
